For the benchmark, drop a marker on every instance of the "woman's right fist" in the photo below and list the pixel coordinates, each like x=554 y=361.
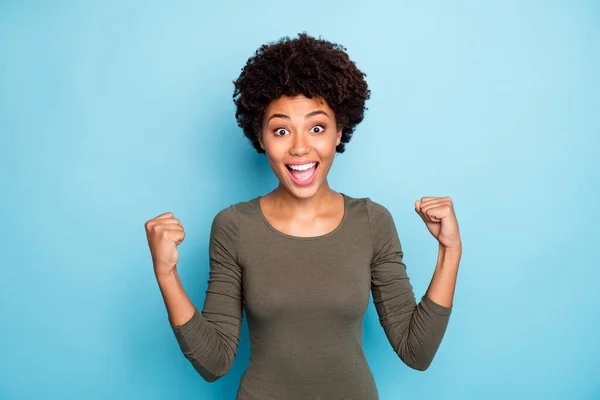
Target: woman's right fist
x=164 y=234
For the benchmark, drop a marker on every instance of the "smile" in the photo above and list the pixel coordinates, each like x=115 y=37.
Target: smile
x=303 y=174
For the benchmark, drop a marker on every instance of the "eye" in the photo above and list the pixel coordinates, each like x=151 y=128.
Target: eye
x=318 y=129
x=280 y=131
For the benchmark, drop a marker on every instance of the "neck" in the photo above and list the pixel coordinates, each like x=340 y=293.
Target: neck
x=287 y=202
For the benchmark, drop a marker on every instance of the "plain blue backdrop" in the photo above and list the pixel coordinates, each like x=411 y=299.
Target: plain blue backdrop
x=114 y=112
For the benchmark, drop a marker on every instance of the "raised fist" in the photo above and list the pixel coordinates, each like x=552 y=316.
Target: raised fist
x=164 y=234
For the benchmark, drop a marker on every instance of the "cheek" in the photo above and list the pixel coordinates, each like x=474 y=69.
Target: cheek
x=275 y=155
x=272 y=148
x=327 y=148
x=276 y=167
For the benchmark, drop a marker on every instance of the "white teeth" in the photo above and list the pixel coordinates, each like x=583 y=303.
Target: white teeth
x=302 y=167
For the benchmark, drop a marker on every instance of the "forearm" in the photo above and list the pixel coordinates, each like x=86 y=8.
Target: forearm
x=179 y=307
x=443 y=282
x=209 y=345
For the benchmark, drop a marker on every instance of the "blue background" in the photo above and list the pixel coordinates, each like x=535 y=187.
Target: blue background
x=114 y=112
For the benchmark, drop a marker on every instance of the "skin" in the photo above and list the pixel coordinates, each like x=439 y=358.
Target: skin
x=317 y=209
x=297 y=129
x=303 y=211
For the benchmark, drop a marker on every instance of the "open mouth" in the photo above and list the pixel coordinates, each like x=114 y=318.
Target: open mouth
x=303 y=174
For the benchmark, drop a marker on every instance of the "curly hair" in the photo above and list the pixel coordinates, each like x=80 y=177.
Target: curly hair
x=301 y=66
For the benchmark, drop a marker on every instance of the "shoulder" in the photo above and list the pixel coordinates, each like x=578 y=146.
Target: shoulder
x=232 y=212
x=226 y=217
x=378 y=221
x=375 y=211
x=225 y=225
x=230 y=216
x=381 y=222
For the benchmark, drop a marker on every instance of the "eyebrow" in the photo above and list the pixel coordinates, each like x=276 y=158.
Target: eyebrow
x=310 y=114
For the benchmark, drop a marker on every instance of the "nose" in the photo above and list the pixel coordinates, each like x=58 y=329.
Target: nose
x=300 y=145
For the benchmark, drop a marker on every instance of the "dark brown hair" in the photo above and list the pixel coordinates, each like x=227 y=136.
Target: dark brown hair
x=301 y=66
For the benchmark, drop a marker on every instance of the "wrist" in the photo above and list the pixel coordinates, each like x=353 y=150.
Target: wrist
x=457 y=248
x=166 y=275
x=449 y=255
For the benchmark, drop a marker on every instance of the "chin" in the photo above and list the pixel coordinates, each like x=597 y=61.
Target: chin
x=303 y=193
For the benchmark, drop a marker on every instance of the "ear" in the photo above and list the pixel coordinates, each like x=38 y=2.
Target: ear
x=338 y=139
x=259 y=137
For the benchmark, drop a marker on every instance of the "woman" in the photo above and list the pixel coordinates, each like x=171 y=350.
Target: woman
x=303 y=260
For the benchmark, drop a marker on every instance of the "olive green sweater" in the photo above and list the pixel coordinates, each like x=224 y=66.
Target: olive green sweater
x=305 y=299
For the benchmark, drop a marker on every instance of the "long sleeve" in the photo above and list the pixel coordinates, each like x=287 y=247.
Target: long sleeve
x=210 y=339
x=415 y=331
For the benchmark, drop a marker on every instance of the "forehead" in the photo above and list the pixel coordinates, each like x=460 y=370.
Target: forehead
x=300 y=105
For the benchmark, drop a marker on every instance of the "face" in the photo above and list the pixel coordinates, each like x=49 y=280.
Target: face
x=299 y=136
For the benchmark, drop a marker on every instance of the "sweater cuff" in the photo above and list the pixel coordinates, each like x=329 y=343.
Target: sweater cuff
x=188 y=325
x=435 y=307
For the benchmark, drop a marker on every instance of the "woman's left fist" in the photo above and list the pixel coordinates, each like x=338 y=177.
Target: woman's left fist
x=438 y=215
